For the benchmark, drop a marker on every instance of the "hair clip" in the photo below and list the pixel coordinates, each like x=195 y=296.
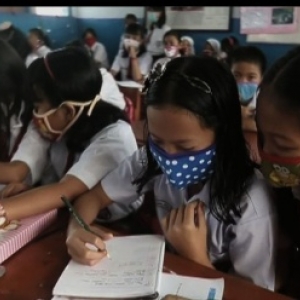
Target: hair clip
x=197 y=83
x=154 y=75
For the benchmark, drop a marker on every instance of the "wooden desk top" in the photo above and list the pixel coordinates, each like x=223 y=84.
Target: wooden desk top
x=33 y=271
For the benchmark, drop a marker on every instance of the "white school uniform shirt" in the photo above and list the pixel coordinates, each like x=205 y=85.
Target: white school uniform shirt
x=99 y=54
x=40 y=52
x=248 y=245
x=156 y=45
x=121 y=64
x=110 y=91
x=106 y=150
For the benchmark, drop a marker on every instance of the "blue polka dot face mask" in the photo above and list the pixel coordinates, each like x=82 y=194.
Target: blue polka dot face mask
x=186 y=168
x=247 y=91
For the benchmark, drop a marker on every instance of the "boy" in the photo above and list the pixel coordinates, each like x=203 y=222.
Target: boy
x=248 y=64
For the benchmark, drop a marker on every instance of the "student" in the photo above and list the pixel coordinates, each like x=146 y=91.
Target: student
x=133 y=62
x=39 y=43
x=157 y=17
x=187 y=46
x=172 y=45
x=248 y=64
x=194 y=122
x=212 y=47
x=89 y=136
x=23 y=151
x=16 y=38
x=228 y=44
x=97 y=49
x=277 y=118
x=129 y=19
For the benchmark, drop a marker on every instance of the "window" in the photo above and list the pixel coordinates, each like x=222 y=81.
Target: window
x=60 y=11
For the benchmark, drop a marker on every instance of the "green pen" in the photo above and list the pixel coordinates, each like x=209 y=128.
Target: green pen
x=79 y=220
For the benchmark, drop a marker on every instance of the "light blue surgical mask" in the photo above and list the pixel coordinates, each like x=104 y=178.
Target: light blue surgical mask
x=186 y=168
x=247 y=90
x=153 y=16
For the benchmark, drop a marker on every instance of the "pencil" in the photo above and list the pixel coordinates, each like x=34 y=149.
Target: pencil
x=79 y=220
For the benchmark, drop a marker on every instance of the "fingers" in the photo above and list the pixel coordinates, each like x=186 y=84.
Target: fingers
x=105 y=235
x=13 y=189
x=180 y=215
x=78 y=250
x=189 y=214
x=201 y=215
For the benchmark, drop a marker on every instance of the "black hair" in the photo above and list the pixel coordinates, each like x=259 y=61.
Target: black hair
x=229 y=43
x=12 y=83
x=135 y=29
x=174 y=33
x=91 y=31
x=162 y=18
x=131 y=17
x=75 y=77
x=17 y=39
x=220 y=110
x=40 y=35
x=78 y=44
x=250 y=54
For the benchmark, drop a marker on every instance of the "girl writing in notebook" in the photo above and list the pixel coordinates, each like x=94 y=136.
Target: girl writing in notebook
x=89 y=137
x=22 y=151
x=209 y=197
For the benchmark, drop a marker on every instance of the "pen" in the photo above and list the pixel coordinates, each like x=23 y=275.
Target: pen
x=79 y=220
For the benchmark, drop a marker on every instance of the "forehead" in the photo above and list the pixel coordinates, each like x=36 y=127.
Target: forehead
x=171 y=38
x=272 y=119
x=246 y=67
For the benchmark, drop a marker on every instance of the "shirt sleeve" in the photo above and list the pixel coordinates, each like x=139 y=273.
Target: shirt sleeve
x=107 y=150
x=146 y=64
x=253 y=249
x=33 y=151
x=100 y=55
x=116 y=66
x=118 y=184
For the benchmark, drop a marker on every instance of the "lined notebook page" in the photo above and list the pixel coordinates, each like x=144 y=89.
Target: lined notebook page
x=132 y=270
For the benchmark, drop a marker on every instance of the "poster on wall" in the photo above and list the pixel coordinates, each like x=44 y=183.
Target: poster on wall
x=198 y=17
x=269 y=19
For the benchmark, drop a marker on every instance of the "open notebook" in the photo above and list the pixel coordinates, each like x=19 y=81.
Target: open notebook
x=132 y=271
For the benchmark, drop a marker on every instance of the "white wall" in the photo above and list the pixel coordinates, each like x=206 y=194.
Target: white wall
x=106 y=12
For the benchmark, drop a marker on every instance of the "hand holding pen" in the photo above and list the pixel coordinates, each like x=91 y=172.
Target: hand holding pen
x=86 y=244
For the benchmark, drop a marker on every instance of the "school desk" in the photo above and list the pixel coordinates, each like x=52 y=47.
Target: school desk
x=135 y=95
x=33 y=271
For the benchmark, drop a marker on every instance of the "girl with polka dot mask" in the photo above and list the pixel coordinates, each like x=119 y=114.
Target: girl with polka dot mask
x=209 y=199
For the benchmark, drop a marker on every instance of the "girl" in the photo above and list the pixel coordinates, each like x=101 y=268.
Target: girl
x=89 y=136
x=187 y=46
x=172 y=45
x=97 y=49
x=228 y=44
x=194 y=123
x=133 y=62
x=157 y=17
x=212 y=48
x=39 y=43
x=277 y=116
x=20 y=143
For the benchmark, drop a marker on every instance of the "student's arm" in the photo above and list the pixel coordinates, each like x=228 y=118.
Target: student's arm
x=100 y=56
x=115 y=187
x=29 y=161
x=116 y=66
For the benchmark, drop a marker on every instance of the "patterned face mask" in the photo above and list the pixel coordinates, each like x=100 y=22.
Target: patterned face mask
x=187 y=168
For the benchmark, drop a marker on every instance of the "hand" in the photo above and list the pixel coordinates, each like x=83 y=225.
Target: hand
x=247 y=112
x=76 y=243
x=132 y=52
x=13 y=189
x=185 y=228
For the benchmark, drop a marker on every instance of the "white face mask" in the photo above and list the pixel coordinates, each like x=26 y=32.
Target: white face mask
x=131 y=43
x=171 y=51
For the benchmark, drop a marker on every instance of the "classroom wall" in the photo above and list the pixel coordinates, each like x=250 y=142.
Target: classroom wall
x=108 y=21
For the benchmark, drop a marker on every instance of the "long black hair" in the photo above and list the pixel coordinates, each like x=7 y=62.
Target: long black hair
x=178 y=85
x=12 y=88
x=74 y=76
